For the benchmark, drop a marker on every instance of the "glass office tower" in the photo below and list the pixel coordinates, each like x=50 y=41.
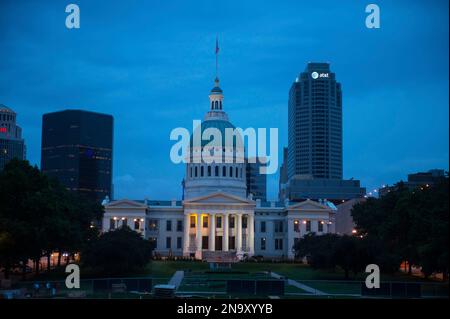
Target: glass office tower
x=77 y=148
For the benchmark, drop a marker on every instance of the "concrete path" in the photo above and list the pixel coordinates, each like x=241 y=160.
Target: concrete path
x=298 y=284
x=176 y=279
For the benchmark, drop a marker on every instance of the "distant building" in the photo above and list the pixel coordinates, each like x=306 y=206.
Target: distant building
x=77 y=149
x=314 y=166
x=415 y=180
x=344 y=220
x=256 y=182
x=12 y=144
x=283 y=179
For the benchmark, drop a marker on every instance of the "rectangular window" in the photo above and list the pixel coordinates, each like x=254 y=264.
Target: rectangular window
x=308 y=225
x=153 y=225
x=320 y=226
x=179 y=225
x=219 y=222
x=154 y=241
x=124 y=222
x=296 y=226
x=232 y=221
x=168 y=242
x=136 y=224
x=192 y=221
x=232 y=242
x=205 y=221
x=168 y=225
x=205 y=242
x=278 y=226
x=263 y=227
x=263 y=243
x=112 y=223
x=179 y=241
x=244 y=222
x=279 y=244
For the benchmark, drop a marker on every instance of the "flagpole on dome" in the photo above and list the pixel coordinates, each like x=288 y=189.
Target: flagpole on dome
x=217 y=57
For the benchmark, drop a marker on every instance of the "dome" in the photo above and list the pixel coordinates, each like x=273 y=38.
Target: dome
x=216 y=89
x=220 y=125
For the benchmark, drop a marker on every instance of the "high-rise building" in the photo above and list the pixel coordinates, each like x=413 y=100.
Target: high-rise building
x=315 y=124
x=12 y=144
x=283 y=179
x=77 y=148
x=256 y=182
x=314 y=166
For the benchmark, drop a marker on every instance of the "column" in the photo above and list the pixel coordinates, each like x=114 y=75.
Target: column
x=238 y=232
x=186 y=235
x=212 y=232
x=225 y=232
x=290 y=238
x=251 y=234
x=198 y=249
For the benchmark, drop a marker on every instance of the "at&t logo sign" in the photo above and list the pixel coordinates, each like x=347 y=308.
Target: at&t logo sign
x=316 y=75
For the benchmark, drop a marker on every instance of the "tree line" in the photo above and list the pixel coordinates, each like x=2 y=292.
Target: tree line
x=402 y=226
x=39 y=216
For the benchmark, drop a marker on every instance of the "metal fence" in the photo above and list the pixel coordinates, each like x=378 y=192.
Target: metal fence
x=229 y=286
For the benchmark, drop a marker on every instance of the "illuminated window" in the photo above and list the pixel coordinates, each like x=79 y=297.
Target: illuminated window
x=192 y=221
x=205 y=221
x=296 y=226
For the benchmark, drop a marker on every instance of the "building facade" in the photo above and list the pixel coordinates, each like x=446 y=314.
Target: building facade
x=256 y=182
x=216 y=218
x=12 y=145
x=315 y=161
x=77 y=148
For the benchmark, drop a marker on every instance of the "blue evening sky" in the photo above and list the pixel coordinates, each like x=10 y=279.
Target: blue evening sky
x=151 y=65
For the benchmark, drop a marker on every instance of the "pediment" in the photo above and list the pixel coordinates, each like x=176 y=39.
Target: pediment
x=219 y=198
x=309 y=205
x=125 y=203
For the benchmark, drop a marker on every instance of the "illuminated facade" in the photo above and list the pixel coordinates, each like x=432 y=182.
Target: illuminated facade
x=12 y=144
x=216 y=218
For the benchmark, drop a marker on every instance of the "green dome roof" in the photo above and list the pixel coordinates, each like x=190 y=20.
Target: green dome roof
x=221 y=125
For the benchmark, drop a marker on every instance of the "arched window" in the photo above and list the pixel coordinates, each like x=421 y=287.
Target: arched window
x=216 y=171
x=231 y=171
x=190 y=173
x=224 y=171
x=217 y=105
x=195 y=171
x=237 y=173
x=220 y=104
x=201 y=171
x=209 y=170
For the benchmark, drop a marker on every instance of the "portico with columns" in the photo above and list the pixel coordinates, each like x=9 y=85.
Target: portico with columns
x=217 y=223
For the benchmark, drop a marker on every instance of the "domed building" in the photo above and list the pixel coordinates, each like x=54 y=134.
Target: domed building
x=216 y=220
x=216 y=154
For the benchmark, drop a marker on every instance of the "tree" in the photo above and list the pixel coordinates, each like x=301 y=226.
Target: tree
x=38 y=216
x=117 y=252
x=408 y=225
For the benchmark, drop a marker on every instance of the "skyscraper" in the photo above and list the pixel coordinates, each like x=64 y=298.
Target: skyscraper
x=11 y=143
x=314 y=167
x=315 y=124
x=77 y=150
x=256 y=182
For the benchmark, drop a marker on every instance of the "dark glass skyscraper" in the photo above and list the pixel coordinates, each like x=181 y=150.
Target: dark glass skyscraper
x=12 y=144
x=314 y=163
x=315 y=124
x=256 y=182
x=77 y=150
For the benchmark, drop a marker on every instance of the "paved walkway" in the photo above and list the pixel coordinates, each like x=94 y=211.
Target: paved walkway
x=176 y=279
x=298 y=284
